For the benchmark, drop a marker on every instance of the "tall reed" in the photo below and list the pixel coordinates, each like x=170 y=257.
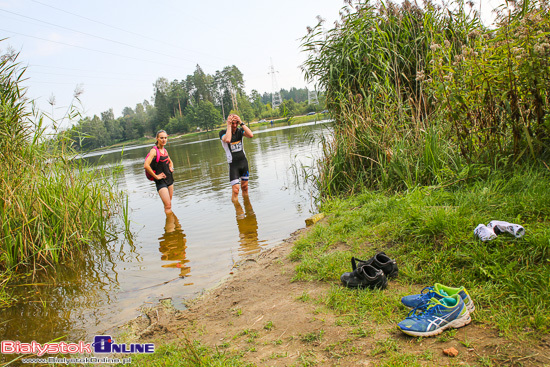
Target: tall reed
x=51 y=207
x=494 y=87
x=412 y=101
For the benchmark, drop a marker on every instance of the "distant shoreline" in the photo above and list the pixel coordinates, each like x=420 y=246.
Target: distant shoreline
x=253 y=125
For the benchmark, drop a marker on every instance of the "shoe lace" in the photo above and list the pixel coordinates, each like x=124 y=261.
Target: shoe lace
x=421 y=308
x=426 y=294
x=424 y=309
x=427 y=289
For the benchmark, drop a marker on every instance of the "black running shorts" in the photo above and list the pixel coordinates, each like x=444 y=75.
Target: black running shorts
x=238 y=170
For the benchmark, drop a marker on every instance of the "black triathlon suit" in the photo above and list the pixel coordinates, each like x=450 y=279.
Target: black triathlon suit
x=234 y=151
x=163 y=165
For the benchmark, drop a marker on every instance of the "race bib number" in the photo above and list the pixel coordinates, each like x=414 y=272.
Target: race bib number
x=237 y=146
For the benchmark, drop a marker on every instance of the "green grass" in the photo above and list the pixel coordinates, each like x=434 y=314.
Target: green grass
x=430 y=234
x=54 y=210
x=269 y=326
x=312 y=336
x=187 y=354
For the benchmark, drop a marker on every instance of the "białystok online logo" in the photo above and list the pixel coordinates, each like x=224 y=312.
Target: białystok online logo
x=105 y=344
x=101 y=344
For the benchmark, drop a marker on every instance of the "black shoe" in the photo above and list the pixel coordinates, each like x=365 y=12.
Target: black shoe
x=365 y=276
x=379 y=261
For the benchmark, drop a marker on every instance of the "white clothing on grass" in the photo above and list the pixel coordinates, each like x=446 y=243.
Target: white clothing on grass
x=499 y=227
x=484 y=233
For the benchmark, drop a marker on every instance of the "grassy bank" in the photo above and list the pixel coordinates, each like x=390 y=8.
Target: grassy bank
x=429 y=232
x=51 y=210
x=292 y=120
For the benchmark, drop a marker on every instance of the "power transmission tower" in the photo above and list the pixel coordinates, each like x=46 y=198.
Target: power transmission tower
x=276 y=99
x=312 y=97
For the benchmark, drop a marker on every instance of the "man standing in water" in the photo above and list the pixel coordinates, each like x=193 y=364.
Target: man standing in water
x=232 y=142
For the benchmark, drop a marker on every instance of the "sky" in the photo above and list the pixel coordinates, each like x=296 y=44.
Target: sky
x=113 y=51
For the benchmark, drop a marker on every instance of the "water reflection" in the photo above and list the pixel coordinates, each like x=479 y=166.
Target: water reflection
x=172 y=245
x=85 y=297
x=248 y=226
x=57 y=303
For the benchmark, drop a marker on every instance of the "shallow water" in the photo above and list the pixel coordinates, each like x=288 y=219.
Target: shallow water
x=176 y=256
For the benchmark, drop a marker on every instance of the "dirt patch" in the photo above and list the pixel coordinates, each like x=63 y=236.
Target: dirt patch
x=269 y=320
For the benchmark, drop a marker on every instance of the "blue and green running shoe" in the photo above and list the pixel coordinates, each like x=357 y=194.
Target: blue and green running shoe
x=436 y=316
x=438 y=291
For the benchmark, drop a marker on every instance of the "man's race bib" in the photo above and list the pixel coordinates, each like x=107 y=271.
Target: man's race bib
x=237 y=146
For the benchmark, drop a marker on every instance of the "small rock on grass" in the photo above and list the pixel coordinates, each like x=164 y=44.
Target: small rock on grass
x=451 y=352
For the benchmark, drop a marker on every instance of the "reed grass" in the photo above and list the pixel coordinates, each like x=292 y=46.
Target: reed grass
x=494 y=86
x=51 y=206
x=420 y=93
x=51 y=210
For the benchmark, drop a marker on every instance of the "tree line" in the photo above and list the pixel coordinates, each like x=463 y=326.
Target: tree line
x=198 y=102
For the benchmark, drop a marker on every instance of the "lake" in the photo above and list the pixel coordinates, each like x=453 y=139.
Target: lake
x=177 y=256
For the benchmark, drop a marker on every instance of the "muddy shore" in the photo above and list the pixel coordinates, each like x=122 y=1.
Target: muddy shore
x=259 y=313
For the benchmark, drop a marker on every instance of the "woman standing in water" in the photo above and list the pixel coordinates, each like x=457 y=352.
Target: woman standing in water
x=161 y=170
